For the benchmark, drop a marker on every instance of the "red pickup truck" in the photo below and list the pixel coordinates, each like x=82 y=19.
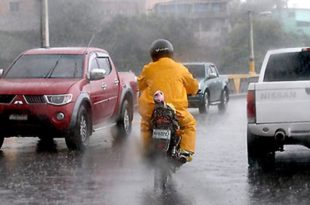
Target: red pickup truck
x=65 y=93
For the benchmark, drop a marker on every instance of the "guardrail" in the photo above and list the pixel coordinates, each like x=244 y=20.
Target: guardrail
x=238 y=83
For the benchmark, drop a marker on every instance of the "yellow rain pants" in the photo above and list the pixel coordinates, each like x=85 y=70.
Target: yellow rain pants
x=176 y=82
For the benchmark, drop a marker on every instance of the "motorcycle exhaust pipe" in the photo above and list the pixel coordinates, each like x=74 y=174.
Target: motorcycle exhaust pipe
x=183 y=160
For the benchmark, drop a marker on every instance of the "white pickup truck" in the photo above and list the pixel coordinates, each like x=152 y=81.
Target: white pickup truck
x=278 y=105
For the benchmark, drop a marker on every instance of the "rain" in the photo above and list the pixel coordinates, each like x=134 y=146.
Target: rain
x=233 y=35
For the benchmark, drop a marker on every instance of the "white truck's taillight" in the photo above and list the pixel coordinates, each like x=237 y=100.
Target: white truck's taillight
x=251 y=110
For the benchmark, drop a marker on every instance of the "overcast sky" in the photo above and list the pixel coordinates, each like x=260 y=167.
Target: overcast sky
x=299 y=3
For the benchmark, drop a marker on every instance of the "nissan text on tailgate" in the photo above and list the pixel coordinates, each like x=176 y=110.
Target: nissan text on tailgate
x=278 y=105
x=65 y=93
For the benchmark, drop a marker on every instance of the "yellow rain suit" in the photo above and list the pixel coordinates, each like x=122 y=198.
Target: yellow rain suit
x=175 y=81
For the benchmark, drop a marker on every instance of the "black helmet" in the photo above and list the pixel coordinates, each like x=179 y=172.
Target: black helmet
x=161 y=48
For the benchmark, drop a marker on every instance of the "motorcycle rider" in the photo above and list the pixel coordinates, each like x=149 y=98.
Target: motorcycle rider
x=176 y=82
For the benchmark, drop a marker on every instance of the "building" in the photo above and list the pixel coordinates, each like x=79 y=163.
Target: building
x=294 y=20
x=210 y=19
x=149 y=4
x=19 y=15
x=110 y=8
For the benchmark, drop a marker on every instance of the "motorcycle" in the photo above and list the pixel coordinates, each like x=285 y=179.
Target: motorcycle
x=165 y=142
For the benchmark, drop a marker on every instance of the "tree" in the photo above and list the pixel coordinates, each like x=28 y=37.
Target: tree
x=268 y=34
x=72 y=22
x=13 y=43
x=129 y=38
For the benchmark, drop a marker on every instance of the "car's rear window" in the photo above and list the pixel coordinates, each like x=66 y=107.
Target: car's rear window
x=197 y=70
x=47 y=66
x=288 y=67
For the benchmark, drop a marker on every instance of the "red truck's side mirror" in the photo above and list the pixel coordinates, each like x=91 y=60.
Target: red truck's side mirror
x=96 y=74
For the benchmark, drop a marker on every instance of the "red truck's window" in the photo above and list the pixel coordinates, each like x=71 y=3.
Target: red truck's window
x=47 y=66
x=288 y=67
x=104 y=64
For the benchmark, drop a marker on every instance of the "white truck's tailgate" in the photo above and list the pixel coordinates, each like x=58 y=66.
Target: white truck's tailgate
x=282 y=101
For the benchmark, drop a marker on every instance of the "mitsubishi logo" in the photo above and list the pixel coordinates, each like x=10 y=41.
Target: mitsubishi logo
x=18 y=102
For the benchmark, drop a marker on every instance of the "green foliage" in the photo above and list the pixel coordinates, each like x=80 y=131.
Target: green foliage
x=72 y=23
x=128 y=38
x=235 y=54
x=268 y=34
x=12 y=44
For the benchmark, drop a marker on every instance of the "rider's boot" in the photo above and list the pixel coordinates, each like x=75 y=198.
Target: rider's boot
x=185 y=156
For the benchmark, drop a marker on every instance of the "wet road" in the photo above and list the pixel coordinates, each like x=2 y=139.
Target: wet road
x=112 y=172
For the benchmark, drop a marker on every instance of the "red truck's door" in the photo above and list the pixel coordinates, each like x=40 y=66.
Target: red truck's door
x=110 y=83
x=96 y=92
x=103 y=92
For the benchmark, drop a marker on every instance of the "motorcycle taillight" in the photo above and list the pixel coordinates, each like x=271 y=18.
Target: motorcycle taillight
x=162 y=144
x=162 y=121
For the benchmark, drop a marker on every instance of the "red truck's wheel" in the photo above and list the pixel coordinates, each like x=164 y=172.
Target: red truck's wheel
x=124 y=123
x=79 y=138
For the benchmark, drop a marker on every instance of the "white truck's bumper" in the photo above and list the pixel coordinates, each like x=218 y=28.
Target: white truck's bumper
x=292 y=130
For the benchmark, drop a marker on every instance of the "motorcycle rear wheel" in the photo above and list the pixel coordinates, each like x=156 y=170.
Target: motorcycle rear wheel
x=161 y=178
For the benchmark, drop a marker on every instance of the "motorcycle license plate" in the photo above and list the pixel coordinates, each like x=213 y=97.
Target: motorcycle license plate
x=161 y=134
x=18 y=117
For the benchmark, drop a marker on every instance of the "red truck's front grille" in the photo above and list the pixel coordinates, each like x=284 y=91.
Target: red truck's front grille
x=32 y=99
x=6 y=99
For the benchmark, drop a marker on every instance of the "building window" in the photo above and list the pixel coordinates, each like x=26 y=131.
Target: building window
x=14 y=6
x=218 y=7
x=303 y=23
x=201 y=7
x=183 y=8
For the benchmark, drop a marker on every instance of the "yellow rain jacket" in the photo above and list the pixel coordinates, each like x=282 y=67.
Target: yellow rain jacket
x=175 y=81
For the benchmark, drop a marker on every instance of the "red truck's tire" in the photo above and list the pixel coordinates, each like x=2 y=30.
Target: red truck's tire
x=124 y=123
x=79 y=137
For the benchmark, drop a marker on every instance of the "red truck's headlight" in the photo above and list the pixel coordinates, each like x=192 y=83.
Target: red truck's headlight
x=58 y=99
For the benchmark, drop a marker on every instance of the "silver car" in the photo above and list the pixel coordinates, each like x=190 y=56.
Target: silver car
x=213 y=89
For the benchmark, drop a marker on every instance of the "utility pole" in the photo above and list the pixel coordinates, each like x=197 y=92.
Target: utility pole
x=251 y=43
x=45 y=43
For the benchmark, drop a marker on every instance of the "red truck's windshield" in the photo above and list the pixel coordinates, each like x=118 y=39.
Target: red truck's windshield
x=47 y=66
